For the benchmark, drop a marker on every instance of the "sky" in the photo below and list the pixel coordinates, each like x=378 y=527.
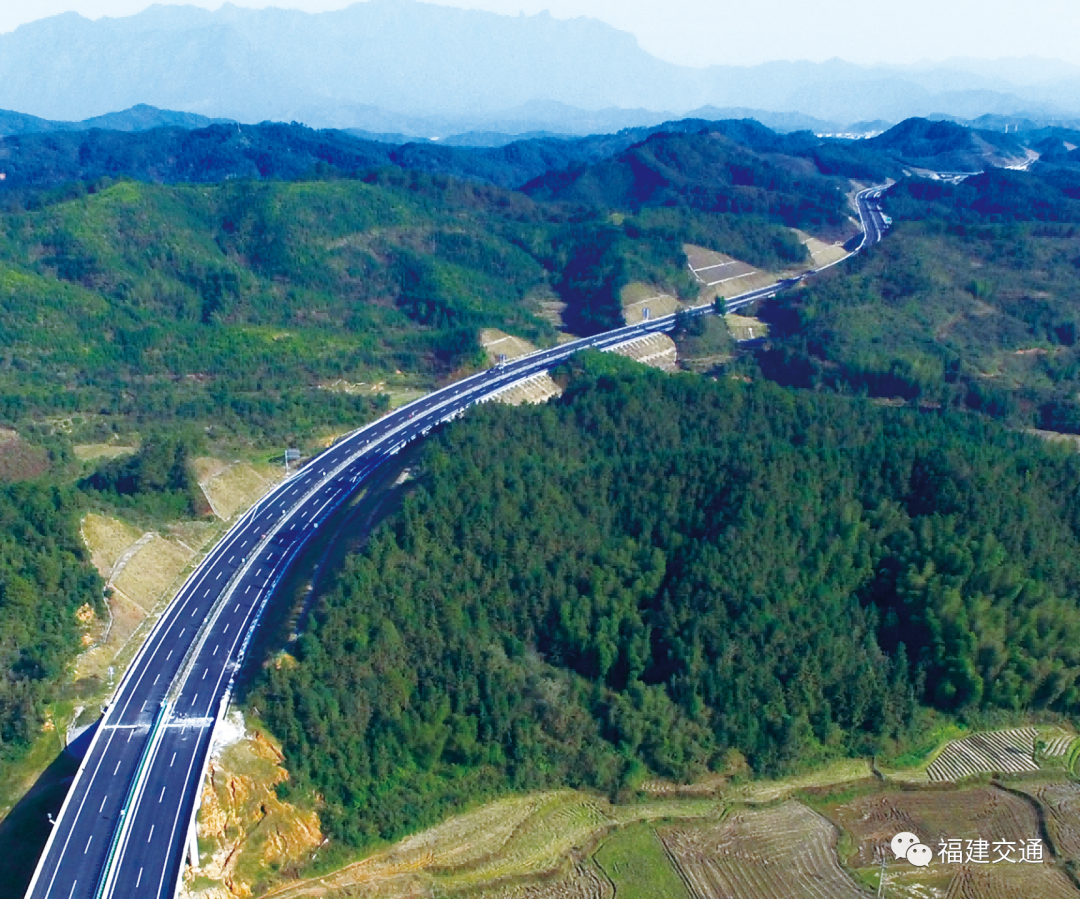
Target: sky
x=746 y=32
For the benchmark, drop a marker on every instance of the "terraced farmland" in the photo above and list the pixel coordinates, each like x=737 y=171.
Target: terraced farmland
x=1058 y=747
x=583 y=882
x=1062 y=804
x=1002 y=751
x=1011 y=882
x=980 y=813
x=786 y=851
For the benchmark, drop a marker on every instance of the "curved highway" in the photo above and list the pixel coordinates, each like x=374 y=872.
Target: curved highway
x=128 y=819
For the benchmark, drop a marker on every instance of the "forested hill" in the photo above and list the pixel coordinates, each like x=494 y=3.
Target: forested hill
x=972 y=301
x=34 y=161
x=707 y=171
x=946 y=146
x=654 y=571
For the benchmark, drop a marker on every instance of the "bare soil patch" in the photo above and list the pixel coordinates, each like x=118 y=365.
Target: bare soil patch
x=638 y=297
x=89 y=451
x=107 y=539
x=243 y=825
x=979 y=813
x=787 y=851
x=232 y=488
x=1061 y=802
x=657 y=350
x=1011 y=882
x=496 y=343
x=821 y=252
x=537 y=389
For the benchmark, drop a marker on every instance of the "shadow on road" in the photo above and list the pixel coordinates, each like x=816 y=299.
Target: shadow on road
x=24 y=831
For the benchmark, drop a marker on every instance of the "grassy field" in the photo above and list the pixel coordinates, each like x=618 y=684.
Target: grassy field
x=637 y=864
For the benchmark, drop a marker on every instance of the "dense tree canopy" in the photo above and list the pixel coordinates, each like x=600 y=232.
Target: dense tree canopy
x=654 y=570
x=45 y=577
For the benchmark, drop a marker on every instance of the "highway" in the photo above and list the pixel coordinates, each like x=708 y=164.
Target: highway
x=127 y=820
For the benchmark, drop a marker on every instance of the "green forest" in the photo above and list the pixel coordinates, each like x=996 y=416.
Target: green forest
x=188 y=291
x=972 y=301
x=654 y=571
x=646 y=577
x=233 y=303
x=45 y=576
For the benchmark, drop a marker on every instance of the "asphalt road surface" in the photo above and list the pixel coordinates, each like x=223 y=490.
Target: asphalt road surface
x=124 y=826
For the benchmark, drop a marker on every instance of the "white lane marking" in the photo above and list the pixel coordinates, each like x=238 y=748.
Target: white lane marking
x=74 y=884
x=138 y=879
x=173 y=759
x=131 y=733
x=231 y=559
x=247 y=590
x=194 y=609
x=204 y=674
x=117 y=768
x=225 y=631
x=88 y=842
x=176 y=820
x=79 y=811
x=156 y=679
x=162 y=796
x=237 y=609
x=216 y=648
x=100 y=810
x=169 y=656
x=150 y=835
x=218 y=575
x=181 y=632
x=196 y=696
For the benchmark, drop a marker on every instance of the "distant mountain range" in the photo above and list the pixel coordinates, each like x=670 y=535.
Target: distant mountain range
x=138 y=118
x=413 y=69
x=32 y=162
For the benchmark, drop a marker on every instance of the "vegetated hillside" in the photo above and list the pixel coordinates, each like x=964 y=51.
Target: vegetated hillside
x=45 y=577
x=32 y=161
x=708 y=172
x=1051 y=193
x=946 y=146
x=228 y=304
x=654 y=570
x=973 y=301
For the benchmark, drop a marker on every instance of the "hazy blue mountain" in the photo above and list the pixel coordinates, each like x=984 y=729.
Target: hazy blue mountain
x=138 y=118
x=406 y=67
